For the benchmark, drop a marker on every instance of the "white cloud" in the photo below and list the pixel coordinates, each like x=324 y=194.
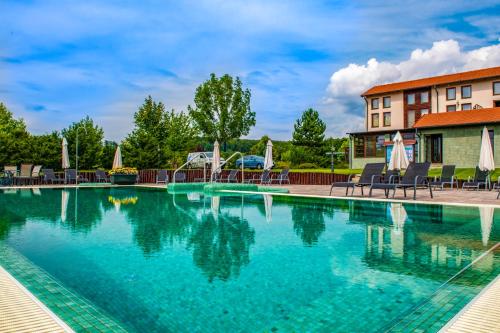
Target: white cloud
x=444 y=57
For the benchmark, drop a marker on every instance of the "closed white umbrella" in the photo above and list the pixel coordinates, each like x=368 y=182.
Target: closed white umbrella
x=399 y=215
x=268 y=157
x=268 y=205
x=65 y=155
x=64 y=205
x=486 y=215
x=486 y=160
x=398 y=160
x=215 y=205
x=216 y=158
x=117 y=161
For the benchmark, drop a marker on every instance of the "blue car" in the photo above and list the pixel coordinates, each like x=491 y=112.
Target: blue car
x=251 y=162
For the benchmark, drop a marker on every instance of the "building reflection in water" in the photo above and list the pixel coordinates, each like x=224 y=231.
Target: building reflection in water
x=431 y=241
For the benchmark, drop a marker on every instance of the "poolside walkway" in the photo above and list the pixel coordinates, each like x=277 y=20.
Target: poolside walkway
x=22 y=312
x=446 y=196
x=481 y=315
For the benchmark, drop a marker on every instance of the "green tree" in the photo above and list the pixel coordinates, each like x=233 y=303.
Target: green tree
x=90 y=143
x=309 y=130
x=108 y=154
x=46 y=150
x=222 y=109
x=160 y=138
x=14 y=138
x=260 y=147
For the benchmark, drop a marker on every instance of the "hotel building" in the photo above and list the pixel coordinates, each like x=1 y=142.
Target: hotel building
x=440 y=119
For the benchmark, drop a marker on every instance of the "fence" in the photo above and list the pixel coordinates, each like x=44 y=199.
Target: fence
x=299 y=178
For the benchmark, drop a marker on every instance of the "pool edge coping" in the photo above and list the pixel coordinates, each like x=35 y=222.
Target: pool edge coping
x=37 y=302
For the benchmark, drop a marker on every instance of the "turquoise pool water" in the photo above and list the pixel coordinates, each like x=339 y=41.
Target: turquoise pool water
x=150 y=261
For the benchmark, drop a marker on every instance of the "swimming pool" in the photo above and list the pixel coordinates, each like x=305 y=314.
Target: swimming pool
x=144 y=260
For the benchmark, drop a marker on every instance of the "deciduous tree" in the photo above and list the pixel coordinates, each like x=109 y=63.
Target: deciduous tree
x=222 y=109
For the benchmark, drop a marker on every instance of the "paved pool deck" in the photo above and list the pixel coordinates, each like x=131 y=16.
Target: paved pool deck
x=21 y=312
x=446 y=196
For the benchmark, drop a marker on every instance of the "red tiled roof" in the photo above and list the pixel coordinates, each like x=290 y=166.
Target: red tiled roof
x=457 y=118
x=435 y=80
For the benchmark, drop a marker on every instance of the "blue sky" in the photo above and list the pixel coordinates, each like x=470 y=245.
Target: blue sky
x=60 y=61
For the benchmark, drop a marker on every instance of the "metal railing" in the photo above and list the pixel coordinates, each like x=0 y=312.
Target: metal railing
x=191 y=160
x=219 y=169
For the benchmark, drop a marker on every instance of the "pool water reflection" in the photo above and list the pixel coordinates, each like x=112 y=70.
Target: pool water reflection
x=189 y=262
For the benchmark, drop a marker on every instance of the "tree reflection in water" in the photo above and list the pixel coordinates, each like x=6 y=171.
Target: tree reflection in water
x=155 y=221
x=309 y=221
x=221 y=245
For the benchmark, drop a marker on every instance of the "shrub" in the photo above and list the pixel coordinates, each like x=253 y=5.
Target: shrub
x=307 y=166
x=282 y=165
x=123 y=171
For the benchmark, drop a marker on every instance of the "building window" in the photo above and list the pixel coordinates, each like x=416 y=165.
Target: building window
x=496 y=104
x=369 y=146
x=374 y=103
x=496 y=88
x=424 y=97
x=451 y=108
x=410 y=118
x=359 y=146
x=387 y=102
x=374 y=146
x=410 y=99
x=466 y=91
x=424 y=111
x=387 y=119
x=466 y=106
x=375 y=120
x=451 y=93
x=434 y=148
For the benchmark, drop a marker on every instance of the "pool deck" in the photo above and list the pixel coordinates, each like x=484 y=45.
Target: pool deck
x=21 y=312
x=445 y=197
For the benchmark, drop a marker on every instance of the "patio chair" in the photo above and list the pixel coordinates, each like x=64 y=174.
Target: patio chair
x=25 y=173
x=264 y=178
x=101 y=176
x=71 y=176
x=232 y=177
x=282 y=177
x=35 y=174
x=480 y=179
x=415 y=177
x=162 y=177
x=447 y=177
x=50 y=177
x=180 y=177
x=371 y=173
x=10 y=169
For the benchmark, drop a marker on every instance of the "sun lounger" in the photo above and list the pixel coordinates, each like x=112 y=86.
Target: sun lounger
x=282 y=177
x=180 y=177
x=480 y=179
x=101 y=176
x=264 y=178
x=24 y=174
x=371 y=173
x=232 y=177
x=162 y=177
x=414 y=178
x=70 y=176
x=49 y=177
x=447 y=177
